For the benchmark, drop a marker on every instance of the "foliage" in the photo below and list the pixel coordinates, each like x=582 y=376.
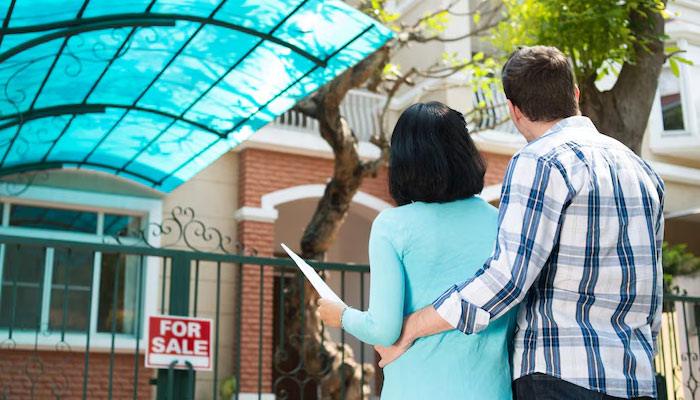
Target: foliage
x=676 y=261
x=596 y=34
x=481 y=70
x=227 y=388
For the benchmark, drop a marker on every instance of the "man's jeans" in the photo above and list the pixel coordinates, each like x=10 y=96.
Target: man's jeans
x=545 y=387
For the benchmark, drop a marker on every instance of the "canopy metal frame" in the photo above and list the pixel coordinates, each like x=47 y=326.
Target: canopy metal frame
x=20 y=57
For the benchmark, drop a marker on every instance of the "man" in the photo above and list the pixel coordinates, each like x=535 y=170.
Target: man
x=578 y=247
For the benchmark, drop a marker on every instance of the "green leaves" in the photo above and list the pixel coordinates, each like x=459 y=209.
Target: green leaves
x=674 y=59
x=376 y=10
x=435 y=23
x=674 y=67
x=591 y=32
x=676 y=261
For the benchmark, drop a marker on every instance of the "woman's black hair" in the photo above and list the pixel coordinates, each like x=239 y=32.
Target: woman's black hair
x=433 y=158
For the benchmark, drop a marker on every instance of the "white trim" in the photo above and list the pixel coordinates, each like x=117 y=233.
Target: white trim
x=270 y=201
x=491 y=193
x=682 y=213
x=427 y=85
x=46 y=295
x=499 y=142
x=681 y=30
x=683 y=143
x=292 y=141
x=694 y=4
x=257 y=214
x=676 y=173
x=91 y=200
x=254 y=396
x=98 y=202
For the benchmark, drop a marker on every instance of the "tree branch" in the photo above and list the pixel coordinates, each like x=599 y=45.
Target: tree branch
x=310 y=106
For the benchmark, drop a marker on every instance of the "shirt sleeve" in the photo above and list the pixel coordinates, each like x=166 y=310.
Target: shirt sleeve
x=534 y=195
x=381 y=324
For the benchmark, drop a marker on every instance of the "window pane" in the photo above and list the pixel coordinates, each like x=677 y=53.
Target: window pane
x=53 y=218
x=671 y=106
x=126 y=307
x=122 y=225
x=73 y=268
x=22 y=278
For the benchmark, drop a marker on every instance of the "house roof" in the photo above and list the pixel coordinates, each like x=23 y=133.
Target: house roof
x=156 y=90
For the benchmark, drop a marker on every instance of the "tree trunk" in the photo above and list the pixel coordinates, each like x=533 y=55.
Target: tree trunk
x=330 y=365
x=623 y=111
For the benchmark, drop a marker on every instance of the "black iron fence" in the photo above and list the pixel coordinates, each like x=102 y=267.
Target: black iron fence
x=72 y=320
x=679 y=347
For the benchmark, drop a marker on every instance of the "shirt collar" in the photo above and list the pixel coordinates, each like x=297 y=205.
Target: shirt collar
x=568 y=123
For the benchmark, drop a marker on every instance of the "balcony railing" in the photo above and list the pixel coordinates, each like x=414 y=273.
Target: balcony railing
x=361 y=109
x=493 y=114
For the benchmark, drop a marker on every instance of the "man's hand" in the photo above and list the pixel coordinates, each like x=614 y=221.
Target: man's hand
x=422 y=323
x=391 y=353
x=331 y=312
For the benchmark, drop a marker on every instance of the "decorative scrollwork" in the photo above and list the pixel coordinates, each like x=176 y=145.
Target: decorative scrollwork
x=79 y=50
x=16 y=184
x=677 y=291
x=6 y=367
x=689 y=356
x=183 y=230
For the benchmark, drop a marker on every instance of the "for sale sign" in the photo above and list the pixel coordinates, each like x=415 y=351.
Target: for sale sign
x=180 y=339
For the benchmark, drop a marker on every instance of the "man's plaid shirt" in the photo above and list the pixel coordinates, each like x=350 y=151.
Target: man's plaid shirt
x=579 y=247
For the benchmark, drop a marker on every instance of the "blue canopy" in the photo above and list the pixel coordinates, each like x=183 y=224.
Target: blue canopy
x=156 y=90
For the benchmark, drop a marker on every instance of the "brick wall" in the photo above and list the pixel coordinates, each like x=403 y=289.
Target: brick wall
x=63 y=375
x=262 y=172
x=260 y=236
x=495 y=168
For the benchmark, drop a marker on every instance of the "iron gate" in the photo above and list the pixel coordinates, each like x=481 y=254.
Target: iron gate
x=78 y=332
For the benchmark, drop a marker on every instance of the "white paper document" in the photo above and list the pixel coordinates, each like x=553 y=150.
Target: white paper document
x=316 y=281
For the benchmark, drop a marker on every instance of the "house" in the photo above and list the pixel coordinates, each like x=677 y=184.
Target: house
x=261 y=192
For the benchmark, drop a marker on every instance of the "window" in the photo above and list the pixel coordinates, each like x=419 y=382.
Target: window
x=674 y=121
x=671 y=105
x=51 y=290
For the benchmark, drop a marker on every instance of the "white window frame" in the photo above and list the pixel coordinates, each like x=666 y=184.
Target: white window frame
x=43 y=196
x=664 y=141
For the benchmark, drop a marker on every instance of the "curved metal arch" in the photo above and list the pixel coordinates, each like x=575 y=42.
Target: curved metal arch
x=82 y=29
x=69 y=163
x=92 y=108
x=80 y=25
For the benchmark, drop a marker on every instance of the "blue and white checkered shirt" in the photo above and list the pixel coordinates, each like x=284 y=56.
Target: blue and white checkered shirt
x=580 y=230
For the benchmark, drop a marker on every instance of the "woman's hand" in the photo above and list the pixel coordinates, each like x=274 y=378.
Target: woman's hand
x=331 y=312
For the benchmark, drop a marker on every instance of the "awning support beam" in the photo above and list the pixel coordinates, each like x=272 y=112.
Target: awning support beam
x=8 y=121
x=79 y=25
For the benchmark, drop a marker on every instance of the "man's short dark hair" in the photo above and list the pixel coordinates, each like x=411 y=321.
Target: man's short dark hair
x=433 y=158
x=539 y=81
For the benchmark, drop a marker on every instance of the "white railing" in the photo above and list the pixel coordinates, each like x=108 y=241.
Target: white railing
x=494 y=115
x=361 y=109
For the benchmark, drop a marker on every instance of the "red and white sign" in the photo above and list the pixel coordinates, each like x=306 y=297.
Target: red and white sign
x=172 y=338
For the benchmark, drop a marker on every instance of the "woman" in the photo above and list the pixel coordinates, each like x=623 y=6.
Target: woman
x=439 y=234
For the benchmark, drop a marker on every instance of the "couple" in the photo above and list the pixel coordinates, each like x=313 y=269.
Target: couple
x=563 y=283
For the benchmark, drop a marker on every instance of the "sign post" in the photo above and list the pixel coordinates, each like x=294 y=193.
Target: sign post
x=176 y=384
